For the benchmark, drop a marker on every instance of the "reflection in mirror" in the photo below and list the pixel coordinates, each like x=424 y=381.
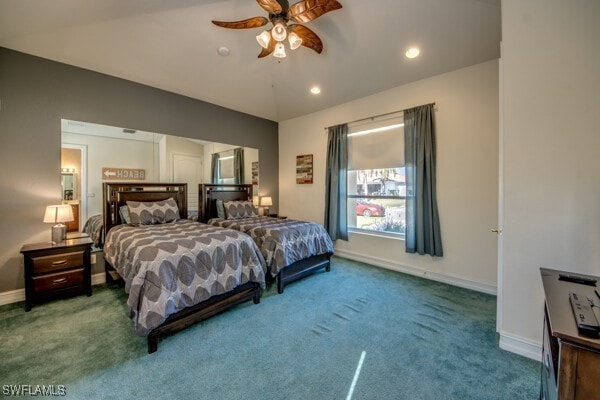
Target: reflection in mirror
x=69 y=186
x=100 y=153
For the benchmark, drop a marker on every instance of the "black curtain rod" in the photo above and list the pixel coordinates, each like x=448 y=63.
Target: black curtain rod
x=376 y=116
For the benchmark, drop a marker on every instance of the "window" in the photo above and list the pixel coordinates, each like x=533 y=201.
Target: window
x=376 y=179
x=225 y=168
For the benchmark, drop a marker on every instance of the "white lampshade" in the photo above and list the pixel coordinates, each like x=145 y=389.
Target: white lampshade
x=279 y=50
x=255 y=200
x=279 y=32
x=266 y=201
x=263 y=39
x=294 y=40
x=58 y=213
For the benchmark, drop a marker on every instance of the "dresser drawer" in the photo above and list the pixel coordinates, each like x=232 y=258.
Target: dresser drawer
x=58 y=280
x=57 y=262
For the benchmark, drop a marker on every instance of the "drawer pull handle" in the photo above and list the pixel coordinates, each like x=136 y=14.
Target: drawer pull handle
x=57 y=281
x=60 y=262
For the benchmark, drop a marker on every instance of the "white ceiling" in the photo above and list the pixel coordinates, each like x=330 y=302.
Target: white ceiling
x=172 y=45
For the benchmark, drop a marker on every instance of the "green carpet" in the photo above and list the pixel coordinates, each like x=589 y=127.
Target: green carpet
x=422 y=340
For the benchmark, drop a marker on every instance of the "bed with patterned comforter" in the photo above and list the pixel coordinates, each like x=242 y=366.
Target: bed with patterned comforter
x=94 y=227
x=281 y=241
x=172 y=266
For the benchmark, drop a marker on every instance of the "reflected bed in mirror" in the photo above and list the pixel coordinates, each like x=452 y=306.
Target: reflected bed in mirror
x=113 y=154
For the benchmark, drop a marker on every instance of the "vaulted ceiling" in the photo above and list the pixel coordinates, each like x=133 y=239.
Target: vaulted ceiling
x=173 y=45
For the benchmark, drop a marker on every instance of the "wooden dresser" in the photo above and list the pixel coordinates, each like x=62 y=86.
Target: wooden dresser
x=570 y=362
x=55 y=270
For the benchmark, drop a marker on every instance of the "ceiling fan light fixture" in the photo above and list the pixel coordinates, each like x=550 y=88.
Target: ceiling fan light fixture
x=287 y=23
x=279 y=50
x=263 y=39
x=279 y=32
x=295 y=41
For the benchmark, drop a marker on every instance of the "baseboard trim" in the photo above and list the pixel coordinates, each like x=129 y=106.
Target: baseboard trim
x=98 y=279
x=412 y=270
x=14 y=296
x=521 y=346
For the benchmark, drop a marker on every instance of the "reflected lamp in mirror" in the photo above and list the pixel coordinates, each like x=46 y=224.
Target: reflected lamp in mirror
x=266 y=202
x=58 y=215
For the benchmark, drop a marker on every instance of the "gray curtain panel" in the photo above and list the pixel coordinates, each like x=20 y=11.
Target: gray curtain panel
x=238 y=165
x=214 y=168
x=336 y=222
x=423 y=233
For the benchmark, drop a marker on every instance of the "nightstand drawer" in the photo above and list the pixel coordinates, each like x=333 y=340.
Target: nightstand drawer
x=58 y=280
x=57 y=262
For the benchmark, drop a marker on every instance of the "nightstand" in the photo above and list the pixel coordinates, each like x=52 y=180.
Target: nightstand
x=56 y=270
x=277 y=216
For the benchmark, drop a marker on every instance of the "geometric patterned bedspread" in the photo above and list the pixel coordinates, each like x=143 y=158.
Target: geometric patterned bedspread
x=94 y=228
x=169 y=267
x=281 y=241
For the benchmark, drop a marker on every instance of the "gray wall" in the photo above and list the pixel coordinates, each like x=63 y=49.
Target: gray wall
x=36 y=93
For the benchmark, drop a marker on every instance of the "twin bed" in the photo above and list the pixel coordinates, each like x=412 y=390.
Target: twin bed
x=291 y=248
x=178 y=272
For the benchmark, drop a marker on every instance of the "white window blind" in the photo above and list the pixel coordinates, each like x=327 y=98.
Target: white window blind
x=376 y=144
x=226 y=165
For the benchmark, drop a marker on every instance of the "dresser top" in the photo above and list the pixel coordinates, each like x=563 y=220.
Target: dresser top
x=560 y=313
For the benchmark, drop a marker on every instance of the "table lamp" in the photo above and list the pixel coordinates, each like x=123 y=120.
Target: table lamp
x=58 y=215
x=266 y=201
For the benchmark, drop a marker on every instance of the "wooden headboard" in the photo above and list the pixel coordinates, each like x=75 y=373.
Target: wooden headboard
x=115 y=195
x=209 y=194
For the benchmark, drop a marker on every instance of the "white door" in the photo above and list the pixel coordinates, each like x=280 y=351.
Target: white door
x=188 y=169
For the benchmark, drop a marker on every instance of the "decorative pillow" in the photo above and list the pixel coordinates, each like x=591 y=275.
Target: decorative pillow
x=220 y=209
x=239 y=209
x=154 y=212
x=124 y=213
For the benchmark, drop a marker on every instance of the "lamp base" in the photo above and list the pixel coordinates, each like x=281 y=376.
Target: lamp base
x=59 y=233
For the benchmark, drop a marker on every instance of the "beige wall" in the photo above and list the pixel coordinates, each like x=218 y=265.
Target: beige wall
x=551 y=97
x=467 y=134
x=177 y=145
x=104 y=152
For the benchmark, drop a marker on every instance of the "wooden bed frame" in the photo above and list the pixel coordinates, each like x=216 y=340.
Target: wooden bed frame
x=116 y=195
x=208 y=196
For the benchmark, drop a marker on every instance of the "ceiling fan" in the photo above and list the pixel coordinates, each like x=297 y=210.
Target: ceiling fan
x=286 y=22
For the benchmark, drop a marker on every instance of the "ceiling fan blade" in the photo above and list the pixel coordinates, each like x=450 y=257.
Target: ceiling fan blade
x=271 y=6
x=309 y=38
x=255 y=22
x=265 y=52
x=307 y=10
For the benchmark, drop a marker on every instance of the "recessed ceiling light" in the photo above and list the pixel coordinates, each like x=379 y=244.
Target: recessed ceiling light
x=412 y=52
x=223 y=51
x=315 y=90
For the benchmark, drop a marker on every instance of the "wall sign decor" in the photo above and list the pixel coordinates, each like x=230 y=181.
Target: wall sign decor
x=255 y=172
x=304 y=169
x=123 y=174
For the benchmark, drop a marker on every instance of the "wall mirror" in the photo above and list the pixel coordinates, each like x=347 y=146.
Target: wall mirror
x=93 y=154
x=69 y=186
